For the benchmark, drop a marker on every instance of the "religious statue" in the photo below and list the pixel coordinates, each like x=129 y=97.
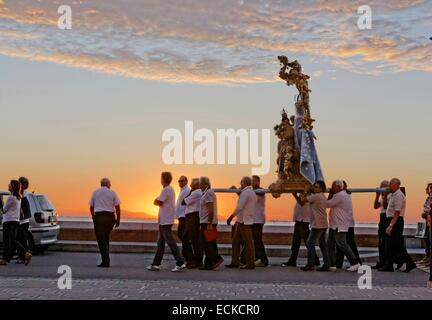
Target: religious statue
x=298 y=164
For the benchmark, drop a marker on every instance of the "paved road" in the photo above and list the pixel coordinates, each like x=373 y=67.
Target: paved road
x=128 y=279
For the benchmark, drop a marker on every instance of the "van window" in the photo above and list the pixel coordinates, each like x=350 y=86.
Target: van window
x=44 y=203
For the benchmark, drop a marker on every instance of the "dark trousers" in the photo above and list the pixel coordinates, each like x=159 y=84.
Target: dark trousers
x=103 y=225
x=166 y=236
x=209 y=248
x=260 y=253
x=301 y=232
x=190 y=241
x=338 y=239
x=10 y=242
x=23 y=239
x=320 y=235
x=395 y=245
x=382 y=226
x=350 y=239
x=243 y=234
x=181 y=234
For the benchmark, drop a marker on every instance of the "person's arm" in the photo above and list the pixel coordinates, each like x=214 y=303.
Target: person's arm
x=159 y=201
x=240 y=206
x=118 y=213
x=9 y=205
x=333 y=202
x=211 y=215
x=385 y=200
x=92 y=211
x=377 y=203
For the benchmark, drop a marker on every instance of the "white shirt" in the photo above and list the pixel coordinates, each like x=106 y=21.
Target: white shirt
x=260 y=209
x=396 y=202
x=104 y=200
x=245 y=211
x=341 y=213
x=318 y=205
x=208 y=196
x=193 y=201
x=180 y=209
x=167 y=209
x=301 y=213
x=11 y=210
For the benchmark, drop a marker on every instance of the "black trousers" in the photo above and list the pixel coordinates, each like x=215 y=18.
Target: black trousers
x=301 y=232
x=103 y=225
x=190 y=241
x=382 y=226
x=209 y=248
x=166 y=236
x=350 y=239
x=260 y=253
x=23 y=239
x=10 y=242
x=395 y=245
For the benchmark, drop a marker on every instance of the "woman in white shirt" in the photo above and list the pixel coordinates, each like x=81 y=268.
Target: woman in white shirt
x=11 y=218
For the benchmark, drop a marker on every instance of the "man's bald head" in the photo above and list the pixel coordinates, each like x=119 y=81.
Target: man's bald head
x=105 y=182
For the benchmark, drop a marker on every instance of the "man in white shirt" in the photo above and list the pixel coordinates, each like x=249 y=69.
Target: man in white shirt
x=382 y=225
x=191 y=244
x=166 y=204
x=340 y=221
x=259 y=221
x=395 y=246
x=245 y=213
x=301 y=218
x=102 y=204
x=208 y=223
x=180 y=211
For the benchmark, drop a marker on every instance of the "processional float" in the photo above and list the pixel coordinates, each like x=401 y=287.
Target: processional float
x=298 y=166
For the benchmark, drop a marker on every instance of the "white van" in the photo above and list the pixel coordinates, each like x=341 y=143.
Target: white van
x=44 y=229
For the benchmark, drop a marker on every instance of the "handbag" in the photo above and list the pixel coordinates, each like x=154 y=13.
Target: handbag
x=211 y=235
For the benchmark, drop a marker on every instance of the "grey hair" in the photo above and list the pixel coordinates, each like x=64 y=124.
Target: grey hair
x=339 y=183
x=104 y=182
x=385 y=182
x=247 y=180
x=205 y=181
x=397 y=180
x=194 y=180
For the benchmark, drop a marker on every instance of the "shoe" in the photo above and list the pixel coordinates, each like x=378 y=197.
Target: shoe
x=289 y=264
x=409 y=267
x=399 y=265
x=307 y=268
x=247 y=267
x=3 y=263
x=232 y=266
x=377 y=266
x=20 y=261
x=191 y=266
x=179 y=268
x=103 y=265
x=386 y=269
x=354 y=268
x=28 y=257
x=323 y=269
x=204 y=268
x=259 y=263
x=217 y=264
x=333 y=269
x=153 y=268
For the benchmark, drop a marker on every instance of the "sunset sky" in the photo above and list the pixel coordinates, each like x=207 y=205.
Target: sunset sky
x=77 y=105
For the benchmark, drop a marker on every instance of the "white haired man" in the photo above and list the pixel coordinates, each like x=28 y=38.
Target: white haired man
x=340 y=220
x=245 y=213
x=103 y=203
x=395 y=246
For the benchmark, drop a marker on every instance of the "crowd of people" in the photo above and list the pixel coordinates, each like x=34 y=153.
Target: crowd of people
x=319 y=219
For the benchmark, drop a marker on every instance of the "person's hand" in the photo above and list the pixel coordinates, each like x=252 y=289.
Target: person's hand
x=424 y=215
x=389 y=230
x=117 y=223
x=209 y=227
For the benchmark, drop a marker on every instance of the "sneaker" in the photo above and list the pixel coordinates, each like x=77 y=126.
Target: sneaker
x=259 y=263
x=354 y=268
x=410 y=267
x=289 y=264
x=179 y=268
x=323 y=269
x=153 y=268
